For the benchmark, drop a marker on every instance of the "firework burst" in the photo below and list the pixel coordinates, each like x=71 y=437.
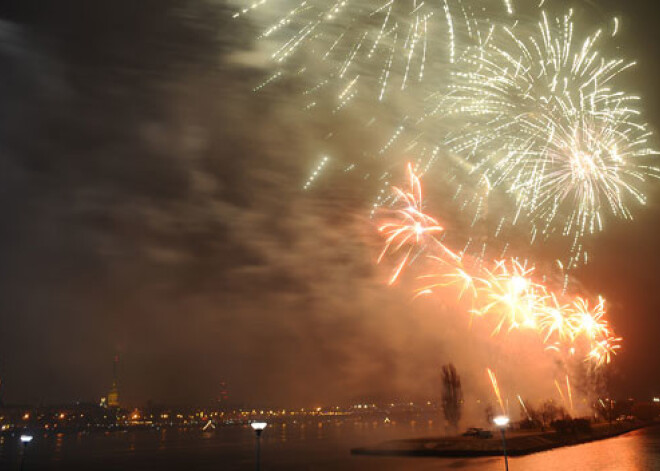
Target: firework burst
x=409 y=227
x=544 y=124
x=387 y=44
x=508 y=292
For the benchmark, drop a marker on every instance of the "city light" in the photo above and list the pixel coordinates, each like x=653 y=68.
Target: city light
x=26 y=438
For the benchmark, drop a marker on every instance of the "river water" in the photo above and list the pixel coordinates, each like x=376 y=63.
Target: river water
x=311 y=446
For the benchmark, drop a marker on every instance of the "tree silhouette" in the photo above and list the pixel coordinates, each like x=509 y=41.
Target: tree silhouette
x=452 y=395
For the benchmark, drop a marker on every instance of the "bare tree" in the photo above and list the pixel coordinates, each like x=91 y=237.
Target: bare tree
x=549 y=412
x=452 y=395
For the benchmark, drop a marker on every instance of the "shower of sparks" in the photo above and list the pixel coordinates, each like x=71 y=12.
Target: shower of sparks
x=382 y=45
x=496 y=389
x=544 y=123
x=507 y=292
x=532 y=111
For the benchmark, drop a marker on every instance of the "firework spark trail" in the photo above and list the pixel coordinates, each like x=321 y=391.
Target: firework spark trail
x=522 y=403
x=544 y=123
x=561 y=393
x=457 y=276
x=507 y=292
x=389 y=54
x=569 y=393
x=496 y=389
x=390 y=40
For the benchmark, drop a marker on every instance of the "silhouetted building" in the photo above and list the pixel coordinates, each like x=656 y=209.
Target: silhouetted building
x=113 y=394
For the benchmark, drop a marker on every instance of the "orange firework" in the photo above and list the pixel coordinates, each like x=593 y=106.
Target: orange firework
x=449 y=274
x=553 y=321
x=603 y=350
x=409 y=227
x=496 y=389
x=588 y=321
x=508 y=293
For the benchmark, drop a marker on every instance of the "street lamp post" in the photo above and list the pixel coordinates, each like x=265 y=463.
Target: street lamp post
x=25 y=440
x=258 y=428
x=501 y=421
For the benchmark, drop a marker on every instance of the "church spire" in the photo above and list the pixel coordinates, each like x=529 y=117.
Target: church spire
x=113 y=395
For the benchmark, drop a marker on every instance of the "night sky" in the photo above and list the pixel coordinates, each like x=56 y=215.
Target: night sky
x=152 y=207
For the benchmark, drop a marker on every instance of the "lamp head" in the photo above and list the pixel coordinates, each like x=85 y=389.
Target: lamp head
x=501 y=421
x=26 y=438
x=258 y=426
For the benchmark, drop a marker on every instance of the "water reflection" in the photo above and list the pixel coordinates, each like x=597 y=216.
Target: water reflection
x=318 y=445
x=57 y=450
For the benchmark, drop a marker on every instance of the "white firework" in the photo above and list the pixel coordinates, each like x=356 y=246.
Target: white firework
x=544 y=123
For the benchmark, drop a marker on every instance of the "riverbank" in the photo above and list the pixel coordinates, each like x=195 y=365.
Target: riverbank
x=518 y=443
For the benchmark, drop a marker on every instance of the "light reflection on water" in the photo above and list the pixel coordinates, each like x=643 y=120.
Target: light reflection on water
x=308 y=446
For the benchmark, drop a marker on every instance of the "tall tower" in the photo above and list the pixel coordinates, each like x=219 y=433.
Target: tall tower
x=223 y=397
x=113 y=395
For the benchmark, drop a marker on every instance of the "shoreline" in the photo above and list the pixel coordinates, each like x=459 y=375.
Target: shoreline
x=518 y=444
